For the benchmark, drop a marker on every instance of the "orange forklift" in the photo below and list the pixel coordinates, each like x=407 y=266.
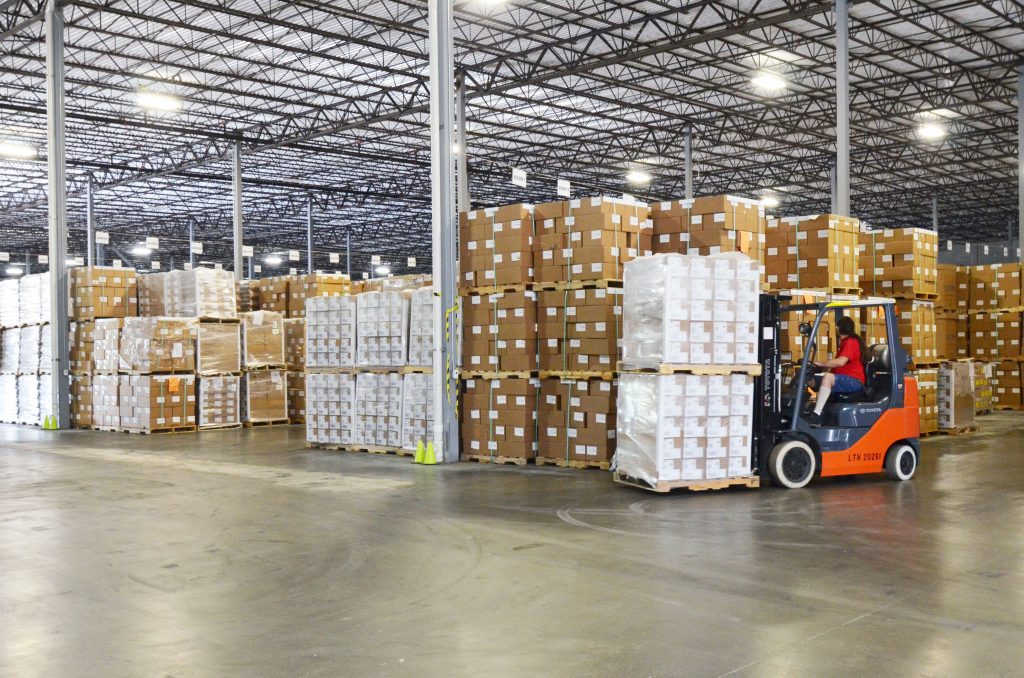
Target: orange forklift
x=871 y=431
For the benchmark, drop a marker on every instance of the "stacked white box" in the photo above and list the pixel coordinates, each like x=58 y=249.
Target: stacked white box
x=28 y=349
x=45 y=350
x=10 y=303
x=330 y=332
x=11 y=350
x=330 y=408
x=106 y=401
x=684 y=427
x=689 y=309
x=8 y=398
x=198 y=293
x=34 y=298
x=28 y=400
x=382 y=329
x=421 y=327
x=417 y=410
x=378 y=409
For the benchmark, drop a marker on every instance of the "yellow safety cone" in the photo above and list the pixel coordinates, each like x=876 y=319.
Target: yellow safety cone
x=429 y=459
x=418 y=457
x=49 y=424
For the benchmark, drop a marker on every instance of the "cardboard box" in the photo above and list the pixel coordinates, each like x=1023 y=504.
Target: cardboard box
x=81 y=401
x=265 y=396
x=106 y=401
x=580 y=330
x=927 y=395
x=263 y=339
x=499 y=418
x=899 y=263
x=421 y=327
x=297 y=397
x=382 y=329
x=576 y=420
x=330 y=332
x=818 y=251
x=417 y=410
x=219 y=401
x=154 y=345
x=500 y=332
x=102 y=292
x=156 y=402
x=218 y=348
x=1006 y=386
x=378 y=409
x=295 y=343
x=952 y=334
x=952 y=298
x=310 y=285
x=198 y=293
x=330 y=409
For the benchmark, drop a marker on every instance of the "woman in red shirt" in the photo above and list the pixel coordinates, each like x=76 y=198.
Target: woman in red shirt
x=846 y=373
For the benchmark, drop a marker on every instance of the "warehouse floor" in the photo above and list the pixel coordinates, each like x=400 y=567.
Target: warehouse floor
x=243 y=553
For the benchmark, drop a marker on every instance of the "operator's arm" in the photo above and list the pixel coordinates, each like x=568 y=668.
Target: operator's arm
x=838 y=361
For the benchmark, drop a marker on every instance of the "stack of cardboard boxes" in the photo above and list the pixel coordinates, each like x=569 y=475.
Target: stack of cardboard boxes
x=219 y=366
x=330 y=409
x=710 y=225
x=265 y=382
x=900 y=263
x=311 y=285
x=928 y=399
x=203 y=293
x=295 y=358
x=951 y=320
x=956 y=396
x=813 y=252
x=983 y=374
x=996 y=329
x=25 y=363
x=417 y=410
x=421 y=327
x=274 y=294
x=156 y=385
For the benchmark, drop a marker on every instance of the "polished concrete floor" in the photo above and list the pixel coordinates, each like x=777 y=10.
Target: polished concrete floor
x=242 y=553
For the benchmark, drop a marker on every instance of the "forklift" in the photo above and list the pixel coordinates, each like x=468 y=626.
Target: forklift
x=871 y=431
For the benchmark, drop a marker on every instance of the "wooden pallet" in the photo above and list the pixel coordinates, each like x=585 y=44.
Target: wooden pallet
x=600 y=284
x=963 y=430
x=484 y=459
x=572 y=463
x=477 y=374
x=494 y=289
x=219 y=427
x=209 y=320
x=378 y=369
x=417 y=369
x=153 y=431
x=809 y=291
x=266 y=368
x=580 y=376
x=165 y=373
x=297 y=420
x=267 y=422
x=752 y=370
x=691 y=485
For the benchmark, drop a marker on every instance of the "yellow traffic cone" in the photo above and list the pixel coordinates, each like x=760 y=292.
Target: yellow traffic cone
x=429 y=459
x=49 y=423
x=418 y=457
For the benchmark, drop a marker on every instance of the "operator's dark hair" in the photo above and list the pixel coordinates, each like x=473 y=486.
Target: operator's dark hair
x=846 y=327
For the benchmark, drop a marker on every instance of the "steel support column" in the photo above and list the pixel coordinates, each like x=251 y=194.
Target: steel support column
x=236 y=194
x=935 y=212
x=90 y=224
x=1020 y=158
x=348 y=254
x=309 y=234
x=191 y=239
x=842 y=108
x=442 y=171
x=60 y=406
x=462 y=159
x=835 y=187
x=688 y=168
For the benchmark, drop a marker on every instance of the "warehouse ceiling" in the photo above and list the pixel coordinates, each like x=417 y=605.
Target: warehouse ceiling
x=329 y=102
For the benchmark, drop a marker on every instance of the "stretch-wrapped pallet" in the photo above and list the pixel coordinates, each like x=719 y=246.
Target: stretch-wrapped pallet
x=382 y=329
x=378 y=409
x=421 y=327
x=10 y=306
x=417 y=410
x=330 y=408
x=330 y=332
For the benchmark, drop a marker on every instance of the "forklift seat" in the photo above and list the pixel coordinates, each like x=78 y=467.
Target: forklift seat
x=876 y=373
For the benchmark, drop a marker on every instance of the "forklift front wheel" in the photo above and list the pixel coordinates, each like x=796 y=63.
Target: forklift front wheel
x=792 y=464
x=901 y=462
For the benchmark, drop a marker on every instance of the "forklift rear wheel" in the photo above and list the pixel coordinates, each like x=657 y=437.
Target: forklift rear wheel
x=901 y=462
x=792 y=464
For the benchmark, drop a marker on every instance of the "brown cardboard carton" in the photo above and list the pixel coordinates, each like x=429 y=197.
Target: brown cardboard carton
x=218 y=348
x=265 y=396
x=812 y=252
x=900 y=263
x=303 y=287
x=499 y=332
x=295 y=343
x=263 y=339
x=102 y=292
x=155 y=345
x=156 y=402
x=499 y=418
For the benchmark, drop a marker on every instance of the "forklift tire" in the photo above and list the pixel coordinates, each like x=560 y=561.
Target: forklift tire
x=901 y=462
x=792 y=464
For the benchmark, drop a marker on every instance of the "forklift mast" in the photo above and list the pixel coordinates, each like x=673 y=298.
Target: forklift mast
x=767 y=388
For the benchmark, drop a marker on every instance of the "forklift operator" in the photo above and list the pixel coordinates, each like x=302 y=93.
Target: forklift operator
x=846 y=369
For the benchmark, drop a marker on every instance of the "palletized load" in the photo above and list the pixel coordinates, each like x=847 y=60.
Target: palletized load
x=154 y=345
x=219 y=401
x=496 y=246
x=378 y=409
x=983 y=373
x=330 y=332
x=421 y=327
x=951 y=336
x=953 y=288
x=34 y=399
x=34 y=299
x=265 y=396
x=684 y=427
x=263 y=339
x=198 y=293
x=11 y=350
x=1006 y=386
x=710 y=225
x=81 y=338
x=381 y=330
x=956 y=395
x=310 y=285
x=156 y=402
x=273 y=293
x=28 y=349
x=297 y=397
x=295 y=343
x=499 y=418
x=576 y=422
x=417 y=411
x=106 y=401
x=812 y=252
x=927 y=395
x=916 y=320
x=330 y=408
x=588 y=238
x=996 y=335
x=579 y=330
x=681 y=309
x=247 y=296
x=106 y=345
x=81 y=400
x=8 y=398
x=900 y=263
x=499 y=332
x=103 y=292
x=10 y=307
x=218 y=348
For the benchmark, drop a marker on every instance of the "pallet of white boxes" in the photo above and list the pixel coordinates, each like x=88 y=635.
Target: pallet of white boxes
x=25 y=361
x=686 y=392
x=368 y=382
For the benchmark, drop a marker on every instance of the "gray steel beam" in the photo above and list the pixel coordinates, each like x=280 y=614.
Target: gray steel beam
x=348 y=254
x=442 y=166
x=60 y=407
x=309 y=234
x=462 y=183
x=835 y=187
x=1020 y=158
x=236 y=195
x=191 y=240
x=842 y=108
x=90 y=225
x=688 y=164
x=935 y=212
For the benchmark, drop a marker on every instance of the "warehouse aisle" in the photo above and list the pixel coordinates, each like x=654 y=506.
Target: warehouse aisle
x=251 y=555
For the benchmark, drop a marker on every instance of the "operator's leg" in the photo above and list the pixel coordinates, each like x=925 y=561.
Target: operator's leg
x=827 y=380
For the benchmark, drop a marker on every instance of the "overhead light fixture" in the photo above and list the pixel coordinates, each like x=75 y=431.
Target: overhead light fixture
x=638 y=177
x=141 y=251
x=155 y=101
x=769 y=201
x=17 y=150
x=382 y=270
x=931 y=131
x=768 y=81
x=455 y=148
x=272 y=260
x=14 y=270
